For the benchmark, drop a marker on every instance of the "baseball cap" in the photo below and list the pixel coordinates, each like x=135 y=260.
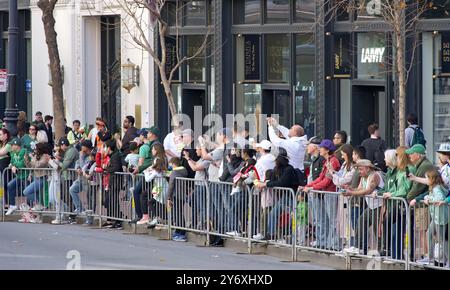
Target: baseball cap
x=444 y=148
x=38 y=113
x=143 y=132
x=417 y=148
x=87 y=144
x=264 y=144
x=17 y=142
x=328 y=144
x=188 y=132
x=154 y=130
x=314 y=140
x=63 y=141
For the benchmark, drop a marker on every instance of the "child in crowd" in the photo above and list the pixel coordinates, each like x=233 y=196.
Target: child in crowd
x=132 y=159
x=302 y=219
x=55 y=186
x=437 y=242
x=248 y=174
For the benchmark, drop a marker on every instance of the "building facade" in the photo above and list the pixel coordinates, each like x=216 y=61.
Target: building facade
x=94 y=47
x=24 y=66
x=280 y=56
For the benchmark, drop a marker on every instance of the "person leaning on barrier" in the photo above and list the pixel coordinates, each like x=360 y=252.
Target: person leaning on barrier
x=444 y=160
x=266 y=160
x=80 y=184
x=422 y=165
x=19 y=181
x=175 y=200
x=343 y=178
x=371 y=182
x=188 y=148
x=317 y=161
x=397 y=185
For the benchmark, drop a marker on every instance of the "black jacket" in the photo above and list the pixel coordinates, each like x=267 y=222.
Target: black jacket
x=284 y=176
x=127 y=138
x=316 y=166
x=49 y=132
x=115 y=162
x=193 y=155
x=375 y=151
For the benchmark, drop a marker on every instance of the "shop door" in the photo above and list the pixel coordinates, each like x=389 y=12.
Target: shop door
x=365 y=111
x=192 y=99
x=278 y=102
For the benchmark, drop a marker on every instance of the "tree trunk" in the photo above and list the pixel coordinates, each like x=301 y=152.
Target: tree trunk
x=401 y=73
x=47 y=7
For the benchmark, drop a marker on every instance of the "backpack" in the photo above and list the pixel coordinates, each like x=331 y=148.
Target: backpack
x=378 y=157
x=419 y=137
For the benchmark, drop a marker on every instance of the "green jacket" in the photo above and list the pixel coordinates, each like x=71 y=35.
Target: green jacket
x=26 y=143
x=418 y=190
x=18 y=161
x=397 y=183
x=302 y=213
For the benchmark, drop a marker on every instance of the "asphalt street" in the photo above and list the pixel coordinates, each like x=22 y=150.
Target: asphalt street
x=59 y=247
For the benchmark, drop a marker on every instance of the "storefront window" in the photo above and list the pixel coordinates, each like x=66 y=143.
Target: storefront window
x=368 y=10
x=196 y=70
x=277 y=11
x=278 y=58
x=169 y=13
x=246 y=11
x=441 y=88
x=305 y=97
x=343 y=11
x=371 y=55
x=305 y=10
x=248 y=98
x=195 y=13
x=437 y=9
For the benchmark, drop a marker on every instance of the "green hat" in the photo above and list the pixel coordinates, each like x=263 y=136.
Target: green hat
x=17 y=142
x=154 y=130
x=417 y=148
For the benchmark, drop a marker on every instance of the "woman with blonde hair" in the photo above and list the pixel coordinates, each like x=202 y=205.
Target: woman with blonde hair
x=397 y=186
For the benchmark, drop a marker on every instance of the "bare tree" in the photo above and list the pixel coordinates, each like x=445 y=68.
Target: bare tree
x=139 y=17
x=401 y=16
x=48 y=19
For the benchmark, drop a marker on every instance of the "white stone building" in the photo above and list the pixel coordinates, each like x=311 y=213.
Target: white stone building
x=94 y=44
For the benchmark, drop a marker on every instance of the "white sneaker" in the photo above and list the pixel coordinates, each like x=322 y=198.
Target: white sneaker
x=235 y=190
x=11 y=209
x=351 y=250
x=424 y=261
x=233 y=233
x=154 y=222
x=35 y=220
x=37 y=207
x=314 y=244
x=258 y=237
x=56 y=221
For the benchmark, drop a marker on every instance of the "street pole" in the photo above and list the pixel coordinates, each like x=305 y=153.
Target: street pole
x=11 y=111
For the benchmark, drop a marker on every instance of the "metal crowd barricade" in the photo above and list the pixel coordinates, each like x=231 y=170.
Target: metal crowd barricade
x=273 y=217
x=191 y=210
x=323 y=222
x=116 y=203
x=154 y=200
x=429 y=235
x=228 y=210
x=379 y=228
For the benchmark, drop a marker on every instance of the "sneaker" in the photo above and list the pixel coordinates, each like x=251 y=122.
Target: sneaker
x=143 y=221
x=117 y=226
x=37 y=207
x=179 y=238
x=424 y=261
x=351 y=250
x=154 y=222
x=56 y=221
x=36 y=220
x=71 y=221
x=233 y=233
x=107 y=225
x=258 y=237
x=235 y=190
x=87 y=212
x=11 y=209
x=135 y=220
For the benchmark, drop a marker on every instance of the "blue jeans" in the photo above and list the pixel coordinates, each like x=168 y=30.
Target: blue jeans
x=13 y=187
x=273 y=223
x=198 y=205
x=238 y=209
x=35 y=190
x=74 y=191
x=137 y=199
x=218 y=214
x=331 y=207
x=319 y=219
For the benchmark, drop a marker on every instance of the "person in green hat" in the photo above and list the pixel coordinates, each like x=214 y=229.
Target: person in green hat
x=17 y=154
x=417 y=158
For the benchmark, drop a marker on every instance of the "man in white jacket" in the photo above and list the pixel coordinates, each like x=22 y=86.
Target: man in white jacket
x=295 y=142
x=266 y=161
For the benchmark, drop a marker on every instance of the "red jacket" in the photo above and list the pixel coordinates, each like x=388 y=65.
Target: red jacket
x=324 y=183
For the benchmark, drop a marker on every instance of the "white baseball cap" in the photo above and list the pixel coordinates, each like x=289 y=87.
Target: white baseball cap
x=264 y=144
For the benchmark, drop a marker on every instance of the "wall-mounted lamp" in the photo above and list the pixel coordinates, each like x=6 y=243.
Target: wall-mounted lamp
x=130 y=75
x=328 y=78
